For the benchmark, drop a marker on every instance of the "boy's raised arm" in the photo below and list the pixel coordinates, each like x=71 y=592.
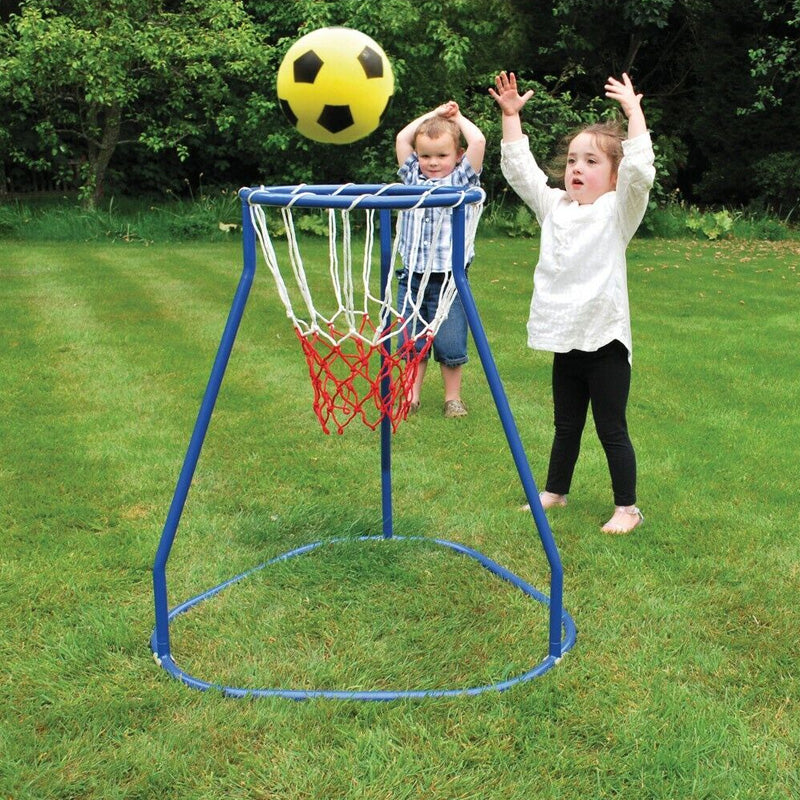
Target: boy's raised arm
x=404 y=141
x=476 y=141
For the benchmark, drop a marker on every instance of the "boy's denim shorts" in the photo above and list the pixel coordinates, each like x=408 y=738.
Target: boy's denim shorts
x=450 y=341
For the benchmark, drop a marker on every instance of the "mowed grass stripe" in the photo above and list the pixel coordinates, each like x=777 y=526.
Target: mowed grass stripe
x=682 y=683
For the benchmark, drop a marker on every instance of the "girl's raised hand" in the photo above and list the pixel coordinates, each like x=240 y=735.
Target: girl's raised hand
x=507 y=96
x=623 y=92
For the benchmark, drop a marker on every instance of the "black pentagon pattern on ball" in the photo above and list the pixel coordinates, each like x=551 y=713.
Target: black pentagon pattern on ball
x=336 y=118
x=307 y=67
x=372 y=62
x=287 y=110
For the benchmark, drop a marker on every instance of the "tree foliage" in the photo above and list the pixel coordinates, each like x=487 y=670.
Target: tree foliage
x=86 y=74
x=775 y=56
x=147 y=96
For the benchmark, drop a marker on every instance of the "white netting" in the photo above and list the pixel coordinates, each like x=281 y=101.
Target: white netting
x=347 y=322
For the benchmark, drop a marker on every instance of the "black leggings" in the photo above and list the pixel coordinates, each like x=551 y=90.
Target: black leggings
x=604 y=379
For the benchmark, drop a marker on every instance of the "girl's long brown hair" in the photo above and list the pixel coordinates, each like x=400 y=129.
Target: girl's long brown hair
x=609 y=136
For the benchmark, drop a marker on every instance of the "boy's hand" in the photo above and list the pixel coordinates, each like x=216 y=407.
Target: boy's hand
x=507 y=96
x=447 y=110
x=623 y=92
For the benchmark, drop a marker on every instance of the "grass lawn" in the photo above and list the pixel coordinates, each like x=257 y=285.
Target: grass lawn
x=683 y=682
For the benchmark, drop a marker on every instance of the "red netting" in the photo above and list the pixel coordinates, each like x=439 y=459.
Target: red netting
x=347 y=376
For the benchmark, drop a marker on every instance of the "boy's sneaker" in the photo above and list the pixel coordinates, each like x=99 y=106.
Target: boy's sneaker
x=454 y=408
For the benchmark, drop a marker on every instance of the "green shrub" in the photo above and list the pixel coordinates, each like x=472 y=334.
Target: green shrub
x=763 y=227
x=711 y=224
x=778 y=177
x=210 y=217
x=508 y=218
x=664 y=222
x=217 y=217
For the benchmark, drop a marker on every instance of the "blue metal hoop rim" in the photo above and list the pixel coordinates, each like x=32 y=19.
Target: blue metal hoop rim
x=568 y=640
x=361 y=195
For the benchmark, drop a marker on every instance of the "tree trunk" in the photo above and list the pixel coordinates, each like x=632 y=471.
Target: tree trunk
x=100 y=157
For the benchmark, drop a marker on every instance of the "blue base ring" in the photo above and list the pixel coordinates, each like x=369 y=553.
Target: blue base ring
x=166 y=661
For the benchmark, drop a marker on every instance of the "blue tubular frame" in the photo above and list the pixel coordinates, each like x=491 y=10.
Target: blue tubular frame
x=384 y=197
x=512 y=434
x=196 y=443
x=342 y=694
x=386 y=428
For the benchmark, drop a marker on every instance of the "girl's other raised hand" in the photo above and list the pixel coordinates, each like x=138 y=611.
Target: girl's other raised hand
x=630 y=102
x=507 y=96
x=624 y=93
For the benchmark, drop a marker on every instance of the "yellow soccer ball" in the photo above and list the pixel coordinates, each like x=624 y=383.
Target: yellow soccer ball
x=335 y=84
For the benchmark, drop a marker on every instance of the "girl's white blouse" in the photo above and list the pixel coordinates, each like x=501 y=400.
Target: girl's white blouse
x=580 y=286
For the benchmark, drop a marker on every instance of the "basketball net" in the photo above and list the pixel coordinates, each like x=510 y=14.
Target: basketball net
x=363 y=353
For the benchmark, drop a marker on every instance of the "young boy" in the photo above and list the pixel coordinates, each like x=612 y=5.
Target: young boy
x=429 y=153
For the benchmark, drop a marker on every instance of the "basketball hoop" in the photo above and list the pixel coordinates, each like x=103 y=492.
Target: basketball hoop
x=362 y=352
x=342 y=340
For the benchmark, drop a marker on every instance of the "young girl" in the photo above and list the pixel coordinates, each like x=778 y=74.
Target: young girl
x=579 y=309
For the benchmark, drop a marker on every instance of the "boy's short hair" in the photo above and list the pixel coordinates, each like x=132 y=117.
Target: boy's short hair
x=609 y=136
x=434 y=127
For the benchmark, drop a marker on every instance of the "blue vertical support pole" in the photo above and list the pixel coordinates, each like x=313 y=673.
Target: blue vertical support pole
x=386 y=431
x=199 y=433
x=511 y=432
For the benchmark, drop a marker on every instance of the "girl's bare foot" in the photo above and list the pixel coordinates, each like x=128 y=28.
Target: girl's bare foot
x=548 y=500
x=624 y=520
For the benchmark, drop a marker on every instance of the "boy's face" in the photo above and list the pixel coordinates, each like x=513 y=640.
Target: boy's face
x=437 y=157
x=589 y=172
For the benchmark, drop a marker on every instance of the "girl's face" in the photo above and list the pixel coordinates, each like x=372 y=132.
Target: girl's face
x=437 y=157
x=590 y=172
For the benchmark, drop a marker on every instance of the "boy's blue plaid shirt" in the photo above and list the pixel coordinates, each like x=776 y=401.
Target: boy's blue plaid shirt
x=418 y=227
